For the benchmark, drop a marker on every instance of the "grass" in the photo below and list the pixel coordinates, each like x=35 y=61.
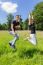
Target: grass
x=24 y=54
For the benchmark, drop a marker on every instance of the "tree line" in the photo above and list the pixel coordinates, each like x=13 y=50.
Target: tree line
x=38 y=18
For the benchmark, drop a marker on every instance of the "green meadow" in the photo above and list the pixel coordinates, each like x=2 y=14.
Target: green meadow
x=25 y=53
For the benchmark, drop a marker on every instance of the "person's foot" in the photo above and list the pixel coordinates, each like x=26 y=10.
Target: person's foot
x=32 y=41
x=12 y=32
x=13 y=46
x=9 y=43
x=26 y=38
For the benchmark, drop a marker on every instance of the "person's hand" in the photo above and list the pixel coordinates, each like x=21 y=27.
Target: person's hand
x=12 y=32
x=17 y=27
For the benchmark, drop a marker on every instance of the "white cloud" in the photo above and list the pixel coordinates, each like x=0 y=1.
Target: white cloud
x=9 y=7
x=0 y=3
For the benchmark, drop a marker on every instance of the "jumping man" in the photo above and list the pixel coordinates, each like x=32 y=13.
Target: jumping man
x=15 y=25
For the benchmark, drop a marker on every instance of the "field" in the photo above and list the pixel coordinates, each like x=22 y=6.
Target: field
x=25 y=53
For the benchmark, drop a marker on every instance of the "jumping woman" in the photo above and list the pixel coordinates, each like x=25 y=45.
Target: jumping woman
x=31 y=24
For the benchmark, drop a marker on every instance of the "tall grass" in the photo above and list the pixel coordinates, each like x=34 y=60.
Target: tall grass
x=24 y=54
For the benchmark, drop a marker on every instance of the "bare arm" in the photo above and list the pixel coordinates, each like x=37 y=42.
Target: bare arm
x=30 y=20
x=12 y=27
x=29 y=23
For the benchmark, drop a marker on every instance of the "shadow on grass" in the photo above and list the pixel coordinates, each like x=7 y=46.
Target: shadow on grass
x=30 y=53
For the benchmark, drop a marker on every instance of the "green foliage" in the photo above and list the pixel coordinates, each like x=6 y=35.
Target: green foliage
x=10 y=17
x=38 y=15
x=0 y=27
x=38 y=18
x=21 y=24
x=3 y=26
x=25 y=24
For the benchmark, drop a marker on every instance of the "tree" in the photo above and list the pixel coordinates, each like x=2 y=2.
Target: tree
x=0 y=27
x=10 y=17
x=38 y=15
x=21 y=23
x=25 y=24
x=4 y=26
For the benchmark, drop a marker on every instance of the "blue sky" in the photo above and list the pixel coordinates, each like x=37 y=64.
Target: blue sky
x=24 y=7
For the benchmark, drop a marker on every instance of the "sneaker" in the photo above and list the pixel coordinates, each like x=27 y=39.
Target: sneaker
x=13 y=46
x=9 y=43
x=32 y=41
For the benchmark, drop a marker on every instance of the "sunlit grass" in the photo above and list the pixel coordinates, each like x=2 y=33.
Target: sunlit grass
x=25 y=53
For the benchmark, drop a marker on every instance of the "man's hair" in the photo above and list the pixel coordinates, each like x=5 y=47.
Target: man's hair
x=17 y=15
